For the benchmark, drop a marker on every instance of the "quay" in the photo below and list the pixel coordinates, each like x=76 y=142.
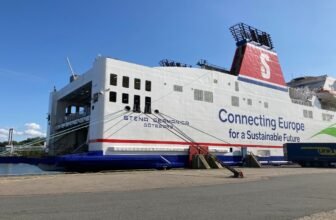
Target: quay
x=264 y=193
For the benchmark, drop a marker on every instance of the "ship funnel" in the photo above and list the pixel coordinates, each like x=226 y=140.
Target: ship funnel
x=255 y=61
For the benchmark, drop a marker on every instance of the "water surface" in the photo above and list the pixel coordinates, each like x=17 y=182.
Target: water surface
x=9 y=169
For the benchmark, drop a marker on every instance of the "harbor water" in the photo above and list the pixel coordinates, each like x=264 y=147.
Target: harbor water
x=8 y=169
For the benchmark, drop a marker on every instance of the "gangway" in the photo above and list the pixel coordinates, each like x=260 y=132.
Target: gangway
x=200 y=158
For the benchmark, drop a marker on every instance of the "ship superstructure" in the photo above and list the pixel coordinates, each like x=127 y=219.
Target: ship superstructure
x=124 y=115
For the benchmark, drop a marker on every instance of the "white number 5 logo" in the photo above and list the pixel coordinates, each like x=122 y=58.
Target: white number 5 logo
x=265 y=69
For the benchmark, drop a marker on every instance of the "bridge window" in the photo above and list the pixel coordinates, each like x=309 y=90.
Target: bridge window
x=178 y=88
x=234 y=101
x=307 y=114
x=310 y=114
x=327 y=117
x=208 y=96
x=236 y=86
x=113 y=79
x=137 y=84
x=125 y=82
x=266 y=104
x=125 y=98
x=198 y=95
x=113 y=96
x=148 y=86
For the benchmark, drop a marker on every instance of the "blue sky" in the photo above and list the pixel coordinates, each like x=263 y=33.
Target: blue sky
x=36 y=37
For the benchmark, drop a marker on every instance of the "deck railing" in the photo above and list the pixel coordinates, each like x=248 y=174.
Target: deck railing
x=73 y=119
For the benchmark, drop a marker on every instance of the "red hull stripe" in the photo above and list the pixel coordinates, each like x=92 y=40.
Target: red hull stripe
x=123 y=141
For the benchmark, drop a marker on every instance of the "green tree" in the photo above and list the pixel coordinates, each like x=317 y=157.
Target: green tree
x=37 y=141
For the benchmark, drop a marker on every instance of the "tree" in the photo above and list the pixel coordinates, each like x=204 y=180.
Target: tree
x=37 y=141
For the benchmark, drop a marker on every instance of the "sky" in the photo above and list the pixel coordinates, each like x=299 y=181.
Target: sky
x=36 y=37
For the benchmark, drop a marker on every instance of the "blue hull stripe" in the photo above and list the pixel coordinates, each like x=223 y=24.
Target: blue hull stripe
x=97 y=161
x=143 y=161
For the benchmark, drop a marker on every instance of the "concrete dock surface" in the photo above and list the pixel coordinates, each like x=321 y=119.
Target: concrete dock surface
x=266 y=193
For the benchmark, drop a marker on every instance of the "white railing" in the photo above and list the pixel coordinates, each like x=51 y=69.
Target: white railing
x=301 y=102
x=73 y=119
x=15 y=149
x=75 y=116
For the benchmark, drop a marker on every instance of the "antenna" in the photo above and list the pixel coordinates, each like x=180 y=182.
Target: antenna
x=72 y=72
x=73 y=76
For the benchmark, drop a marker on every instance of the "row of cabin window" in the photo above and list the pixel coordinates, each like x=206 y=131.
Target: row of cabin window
x=306 y=113
x=309 y=114
x=235 y=101
x=126 y=80
x=136 y=102
x=125 y=98
x=325 y=116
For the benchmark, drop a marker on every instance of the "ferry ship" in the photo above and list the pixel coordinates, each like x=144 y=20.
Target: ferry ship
x=124 y=115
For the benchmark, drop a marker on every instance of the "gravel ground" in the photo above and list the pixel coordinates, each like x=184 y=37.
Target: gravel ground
x=331 y=215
